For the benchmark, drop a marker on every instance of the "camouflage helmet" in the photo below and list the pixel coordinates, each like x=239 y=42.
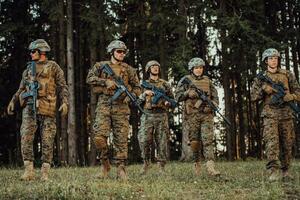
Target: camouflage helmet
x=269 y=53
x=116 y=44
x=39 y=44
x=195 y=62
x=151 y=63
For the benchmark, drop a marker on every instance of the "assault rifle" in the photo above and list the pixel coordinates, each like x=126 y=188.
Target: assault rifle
x=121 y=88
x=33 y=86
x=203 y=96
x=277 y=98
x=158 y=94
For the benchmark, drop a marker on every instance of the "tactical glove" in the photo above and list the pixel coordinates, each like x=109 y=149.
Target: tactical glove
x=126 y=100
x=192 y=94
x=63 y=109
x=268 y=89
x=289 y=97
x=110 y=84
x=10 y=108
x=149 y=93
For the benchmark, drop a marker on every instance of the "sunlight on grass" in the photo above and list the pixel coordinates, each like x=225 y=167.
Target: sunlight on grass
x=239 y=180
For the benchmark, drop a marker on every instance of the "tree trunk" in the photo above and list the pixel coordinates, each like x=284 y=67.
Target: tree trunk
x=62 y=61
x=72 y=156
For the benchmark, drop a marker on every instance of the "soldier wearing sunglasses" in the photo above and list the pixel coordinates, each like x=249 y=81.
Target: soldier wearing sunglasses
x=113 y=116
x=42 y=83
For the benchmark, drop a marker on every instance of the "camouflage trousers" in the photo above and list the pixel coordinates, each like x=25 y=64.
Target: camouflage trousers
x=154 y=126
x=278 y=136
x=47 y=126
x=200 y=128
x=111 y=119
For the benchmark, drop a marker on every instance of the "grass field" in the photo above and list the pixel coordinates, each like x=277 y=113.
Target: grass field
x=240 y=180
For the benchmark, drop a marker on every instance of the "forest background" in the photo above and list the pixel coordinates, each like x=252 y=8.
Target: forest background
x=230 y=35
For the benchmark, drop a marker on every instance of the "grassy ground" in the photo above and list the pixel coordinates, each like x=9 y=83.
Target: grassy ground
x=241 y=180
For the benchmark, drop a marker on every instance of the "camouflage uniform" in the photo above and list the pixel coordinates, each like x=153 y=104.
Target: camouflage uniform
x=50 y=78
x=198 y=116
x=155 y=123
x=115 y=117
x=278 y=125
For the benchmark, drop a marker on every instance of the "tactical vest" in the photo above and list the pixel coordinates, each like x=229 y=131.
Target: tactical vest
x=279 y=77
x=46 y=101
x=193 y=105
x=161 y=84
x=121 y=70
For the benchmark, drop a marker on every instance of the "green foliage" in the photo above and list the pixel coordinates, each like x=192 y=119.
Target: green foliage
x=240 y=180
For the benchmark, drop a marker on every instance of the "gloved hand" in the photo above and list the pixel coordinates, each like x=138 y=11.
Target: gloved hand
x=289 y=97
x=110 y=84
x=192 y=94
x=268 y=89
x=149 y=93
x=10 y=108
x=126 y=100
x=207 y=109
x=63 y=109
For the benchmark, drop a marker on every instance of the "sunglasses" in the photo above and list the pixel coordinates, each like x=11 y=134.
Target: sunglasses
x=119 y=51
x=33 y=51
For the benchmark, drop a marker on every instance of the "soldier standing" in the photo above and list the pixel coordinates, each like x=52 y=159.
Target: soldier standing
x=47 y=78
x=278 y=125
x=113 y=116
x=197 y=115
x=154 y=124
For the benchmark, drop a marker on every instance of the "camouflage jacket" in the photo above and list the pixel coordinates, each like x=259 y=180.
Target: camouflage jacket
x=196 y=105
x=97 y=79
x=258 y=94
x=160 y=84
x=51 y=81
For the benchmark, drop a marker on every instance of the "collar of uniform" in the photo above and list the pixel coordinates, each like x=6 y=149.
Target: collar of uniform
x=197 y=77
x=278 y=70
x=154 y=81
x=42 y=62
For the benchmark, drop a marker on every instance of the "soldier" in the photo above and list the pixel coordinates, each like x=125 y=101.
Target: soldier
x=48 y=79
x=154 y=124
x=197 y=115
x=278 y=125
x=113 y=117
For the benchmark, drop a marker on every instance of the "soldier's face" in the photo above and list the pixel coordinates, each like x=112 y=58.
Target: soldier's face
x=119 y=54
x=272 y=62
x=154 y=69
x=35 y=55
x=198 y=71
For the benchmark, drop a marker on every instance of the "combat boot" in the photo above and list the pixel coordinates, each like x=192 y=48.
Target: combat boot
x=161 y=166
x=121 y=172
x=210 y=166
x=286 y=176
x=197 y=168
x=145 y=167
x=105 y=168
x=274 y=175
x=45 y=171
x=29 y=171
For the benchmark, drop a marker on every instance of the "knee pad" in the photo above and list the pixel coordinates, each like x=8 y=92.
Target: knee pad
x=100 y=142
